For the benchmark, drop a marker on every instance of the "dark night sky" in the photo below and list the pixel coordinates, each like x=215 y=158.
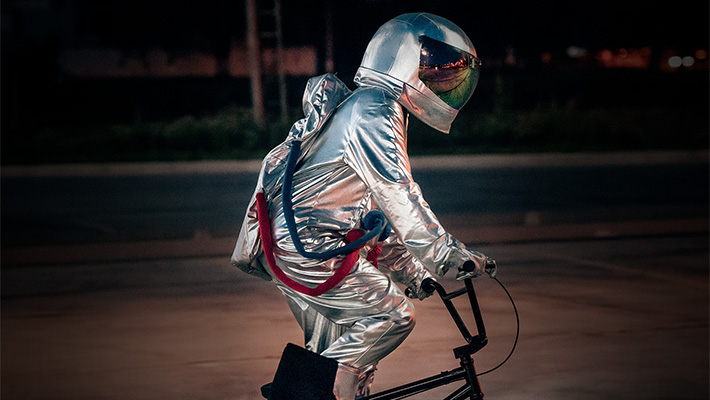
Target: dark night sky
x=35 y=34
x=535 y=26
x=493 y=25
x=601 y=21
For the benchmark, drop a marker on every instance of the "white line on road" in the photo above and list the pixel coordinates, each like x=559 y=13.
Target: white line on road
x=622 y=269
x=418 y=163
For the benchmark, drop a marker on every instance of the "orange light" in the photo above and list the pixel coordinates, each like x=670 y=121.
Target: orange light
x=701 y=54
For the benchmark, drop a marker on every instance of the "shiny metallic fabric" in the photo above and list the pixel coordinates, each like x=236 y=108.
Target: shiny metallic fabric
x=357 y=162
x=392 y=59
x=358 y=322
x=353 y=160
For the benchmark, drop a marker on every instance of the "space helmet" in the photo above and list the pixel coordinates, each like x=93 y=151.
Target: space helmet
x=425 y=60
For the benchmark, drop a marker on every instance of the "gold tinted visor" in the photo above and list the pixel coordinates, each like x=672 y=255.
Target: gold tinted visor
x=450 y=73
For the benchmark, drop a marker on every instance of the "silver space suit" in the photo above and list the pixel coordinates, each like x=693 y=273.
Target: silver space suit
x=354 y=159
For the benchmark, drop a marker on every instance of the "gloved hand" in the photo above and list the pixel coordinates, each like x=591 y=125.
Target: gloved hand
x=414 y=288
x=472 y=268
x=491 y=267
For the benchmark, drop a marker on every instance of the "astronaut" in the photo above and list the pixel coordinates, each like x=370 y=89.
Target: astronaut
x=352 y=160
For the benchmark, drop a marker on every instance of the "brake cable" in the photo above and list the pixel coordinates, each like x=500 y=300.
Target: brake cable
x=517 y=330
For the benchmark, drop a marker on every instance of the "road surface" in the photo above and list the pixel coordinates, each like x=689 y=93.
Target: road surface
x=188 y=209
x=116 y=280
x=600 y=319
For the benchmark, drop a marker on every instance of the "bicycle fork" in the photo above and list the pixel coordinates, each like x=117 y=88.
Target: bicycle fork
x=472 y=388
x=467 y=370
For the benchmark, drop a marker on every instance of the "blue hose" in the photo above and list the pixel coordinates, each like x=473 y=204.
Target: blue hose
x=374 y=221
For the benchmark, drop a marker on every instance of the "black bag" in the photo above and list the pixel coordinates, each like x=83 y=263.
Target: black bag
x=302 y=375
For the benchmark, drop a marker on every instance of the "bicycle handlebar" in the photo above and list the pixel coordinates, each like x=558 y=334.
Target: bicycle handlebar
x=469 y=266
x=430 y=285
x=463 y=353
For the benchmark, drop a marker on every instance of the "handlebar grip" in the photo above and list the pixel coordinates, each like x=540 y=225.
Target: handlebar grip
x=429 y=285
x=469 y=266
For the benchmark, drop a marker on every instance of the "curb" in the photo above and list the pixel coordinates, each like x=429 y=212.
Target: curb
x=222 y=247
x=417 y=162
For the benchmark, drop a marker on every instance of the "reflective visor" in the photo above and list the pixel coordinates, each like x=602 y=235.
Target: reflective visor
x=450 y=73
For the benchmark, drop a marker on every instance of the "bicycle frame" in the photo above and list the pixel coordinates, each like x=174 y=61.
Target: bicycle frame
x=467 y=371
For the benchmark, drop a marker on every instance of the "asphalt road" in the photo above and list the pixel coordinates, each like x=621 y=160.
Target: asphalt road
x=599 y=319
x=482 y=199
x=116 y=281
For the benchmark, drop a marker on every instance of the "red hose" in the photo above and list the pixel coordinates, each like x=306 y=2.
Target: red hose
x=262 y=211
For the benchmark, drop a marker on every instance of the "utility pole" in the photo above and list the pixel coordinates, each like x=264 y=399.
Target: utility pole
x=280 y=61
x=254 y=51
x=329 y=64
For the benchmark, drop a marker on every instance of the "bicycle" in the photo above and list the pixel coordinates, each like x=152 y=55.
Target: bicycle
x=466 y=371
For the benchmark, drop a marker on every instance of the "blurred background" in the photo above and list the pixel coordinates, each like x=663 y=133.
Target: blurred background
x=93 y=81
x=580 y=164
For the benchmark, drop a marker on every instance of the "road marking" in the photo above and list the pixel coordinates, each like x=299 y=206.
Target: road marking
x=622 y=269
x=204 y=245
x=474 y=161
x=468 y=232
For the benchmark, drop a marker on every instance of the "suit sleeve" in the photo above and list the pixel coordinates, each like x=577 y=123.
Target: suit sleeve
x=377 y=152
x=248 y=247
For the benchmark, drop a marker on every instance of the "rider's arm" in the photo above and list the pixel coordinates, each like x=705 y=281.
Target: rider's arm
x=248 y=247
x=399 y=264
x=377 y=152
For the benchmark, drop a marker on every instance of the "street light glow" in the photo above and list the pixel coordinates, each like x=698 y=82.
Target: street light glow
x=675 y=62
x=688 y=61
